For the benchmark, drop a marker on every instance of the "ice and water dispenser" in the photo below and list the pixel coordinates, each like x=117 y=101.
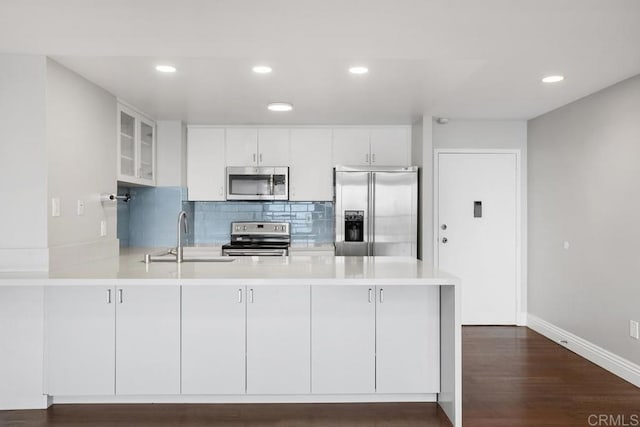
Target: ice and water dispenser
x=353 y=226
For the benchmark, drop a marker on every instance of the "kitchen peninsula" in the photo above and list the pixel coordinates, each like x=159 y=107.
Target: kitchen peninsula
x=258 y=329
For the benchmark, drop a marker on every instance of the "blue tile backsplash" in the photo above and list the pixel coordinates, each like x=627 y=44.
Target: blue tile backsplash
x=149 y=219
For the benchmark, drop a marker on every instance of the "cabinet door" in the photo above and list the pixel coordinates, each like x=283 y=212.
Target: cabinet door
x=408 y=339
x=343 y=339
x=205 y=164
x=390 y=146
x=127 y=150
x=80 y=340
x=278 y=340
x=213 y=340
x=148 y=340
x=351 y=147
x=241 y=147
x=146 y=169
x=311 y=172
x=273 y=147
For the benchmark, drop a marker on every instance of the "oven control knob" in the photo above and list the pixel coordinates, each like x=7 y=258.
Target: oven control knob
x=244 y=228
x=237 y=228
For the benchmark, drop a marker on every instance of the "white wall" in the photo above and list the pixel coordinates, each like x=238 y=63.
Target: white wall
x=23 y=163
x=422 y=156
x=81 y=149
x=584 y=188
x=171 y=153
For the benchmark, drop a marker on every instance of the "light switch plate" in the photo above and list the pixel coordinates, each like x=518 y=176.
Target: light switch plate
x=634 y=330
x=55 y=206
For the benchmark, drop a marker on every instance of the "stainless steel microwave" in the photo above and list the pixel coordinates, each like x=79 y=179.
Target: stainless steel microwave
x=258 y=183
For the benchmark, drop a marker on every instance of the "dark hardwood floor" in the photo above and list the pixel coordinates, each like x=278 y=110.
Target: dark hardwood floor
x=512 y=377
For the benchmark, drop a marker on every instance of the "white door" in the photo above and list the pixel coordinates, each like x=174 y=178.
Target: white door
x=408 y=339
x=241 y=147
x=278 y=340
x=477 y=199
x=351 y=146
x=273 y=147
x=213 y=340
x=390 y=146
x=205 y=164
x=148 y=340
x=311 y=172
x=80 y=340
x=343 y=339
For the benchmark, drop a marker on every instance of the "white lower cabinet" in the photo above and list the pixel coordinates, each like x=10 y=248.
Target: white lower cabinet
x=147 y=340
x=80 y=344
x=213 y=340
x=343 y=339
x=407 y=339
x=278 y=340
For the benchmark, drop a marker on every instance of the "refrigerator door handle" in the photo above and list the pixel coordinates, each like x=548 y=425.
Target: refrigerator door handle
x=372 y=215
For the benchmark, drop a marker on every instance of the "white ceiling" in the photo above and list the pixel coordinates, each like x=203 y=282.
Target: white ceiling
x=451 y=58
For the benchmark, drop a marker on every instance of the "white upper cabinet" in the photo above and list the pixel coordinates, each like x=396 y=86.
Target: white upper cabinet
x=241 y=147
x=390 y=146
x=273 y=147
x=351 y=146
x=379 y=146
x=205 y=164
x=136 y=147
x=311 y=170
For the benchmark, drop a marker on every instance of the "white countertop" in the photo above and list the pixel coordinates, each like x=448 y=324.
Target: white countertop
x=128 y=269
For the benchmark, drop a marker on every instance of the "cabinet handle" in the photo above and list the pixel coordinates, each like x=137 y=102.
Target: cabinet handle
x=381 y=296
x=373 y=158
x=260 y=157
x=254 y=157
x=108 y=296
x=251 y=296
x=239 y=295
x=370 y=295
x=366 y=158
x=120 y=296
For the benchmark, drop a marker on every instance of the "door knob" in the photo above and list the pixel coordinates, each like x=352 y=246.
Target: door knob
x=445 y=240
x=443 y=226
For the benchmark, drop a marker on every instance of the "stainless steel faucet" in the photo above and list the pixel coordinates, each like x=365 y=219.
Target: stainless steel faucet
x=180 y=247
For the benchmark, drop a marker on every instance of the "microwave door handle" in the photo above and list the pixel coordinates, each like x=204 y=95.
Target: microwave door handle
x=271 y=185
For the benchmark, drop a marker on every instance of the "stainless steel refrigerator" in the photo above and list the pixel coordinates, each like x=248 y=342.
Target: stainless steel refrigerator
x=376 y=211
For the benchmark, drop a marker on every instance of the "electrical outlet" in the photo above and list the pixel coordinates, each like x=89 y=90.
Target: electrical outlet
x=103 y=228
x=55 y=206
x=634 y=330
x=80 y=206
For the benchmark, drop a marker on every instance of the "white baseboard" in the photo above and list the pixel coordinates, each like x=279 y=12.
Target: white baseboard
x=308 y=398
x=613 y=363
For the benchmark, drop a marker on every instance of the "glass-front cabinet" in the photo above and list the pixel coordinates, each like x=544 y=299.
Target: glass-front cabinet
x=136 y=147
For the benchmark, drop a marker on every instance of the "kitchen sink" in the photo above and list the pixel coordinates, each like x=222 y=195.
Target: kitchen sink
x=190 y=254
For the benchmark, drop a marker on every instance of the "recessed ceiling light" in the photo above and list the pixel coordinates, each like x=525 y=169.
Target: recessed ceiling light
x=280 y=106
x=358 y=70
x=262 y=69
x=166 y=68
x=553 y=79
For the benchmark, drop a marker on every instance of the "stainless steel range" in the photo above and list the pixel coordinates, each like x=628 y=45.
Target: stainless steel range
x=258 y=239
